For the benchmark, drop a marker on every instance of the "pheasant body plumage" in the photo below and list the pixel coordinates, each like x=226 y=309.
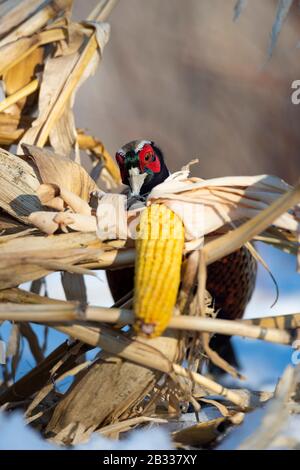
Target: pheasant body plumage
x=230 y=281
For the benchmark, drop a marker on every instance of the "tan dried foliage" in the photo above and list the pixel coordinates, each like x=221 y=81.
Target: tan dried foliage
x=44 y=58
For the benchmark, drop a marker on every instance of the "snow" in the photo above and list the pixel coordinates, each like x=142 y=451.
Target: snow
x=17 y=436
x=97 y=289
x=252 y=421
x=262 y=363
x=235 y=439
x=154 y=438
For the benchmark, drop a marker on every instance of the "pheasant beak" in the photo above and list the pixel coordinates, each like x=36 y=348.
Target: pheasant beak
x=136 y=180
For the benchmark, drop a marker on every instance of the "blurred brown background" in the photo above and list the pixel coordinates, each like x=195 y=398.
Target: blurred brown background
x=182 y=73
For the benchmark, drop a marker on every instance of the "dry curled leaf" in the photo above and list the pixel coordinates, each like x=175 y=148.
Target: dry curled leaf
x=18 y=184
x=200 y=434
x=50 y=222
x=63 y=172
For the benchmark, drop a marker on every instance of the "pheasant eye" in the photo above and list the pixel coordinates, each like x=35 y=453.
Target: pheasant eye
x=147 y=157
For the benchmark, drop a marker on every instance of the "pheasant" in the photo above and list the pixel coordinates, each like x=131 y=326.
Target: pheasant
x=230 y=281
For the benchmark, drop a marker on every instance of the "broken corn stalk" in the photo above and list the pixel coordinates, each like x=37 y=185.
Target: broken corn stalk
x=159 y=248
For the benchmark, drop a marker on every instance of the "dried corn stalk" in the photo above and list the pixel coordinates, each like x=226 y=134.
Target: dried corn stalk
x=44 y=58
x=54 y=193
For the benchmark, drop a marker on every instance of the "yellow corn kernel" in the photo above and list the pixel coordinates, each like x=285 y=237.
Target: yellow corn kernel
x=159 y=249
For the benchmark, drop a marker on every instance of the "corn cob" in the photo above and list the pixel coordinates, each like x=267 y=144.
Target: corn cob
x=159 y=249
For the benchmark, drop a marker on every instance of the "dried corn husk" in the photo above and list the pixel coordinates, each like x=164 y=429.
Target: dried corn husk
x=97 y=150
x=12 y=128
x=46 y=12
x=223 y=200
x=60 y=171
x=13 y=13
x=52 y=195
x=200 y=433
x=15 y=52
x=57 y=90
x=48 y=77
x=251 y=204
x=18 y=184
x=50 y=222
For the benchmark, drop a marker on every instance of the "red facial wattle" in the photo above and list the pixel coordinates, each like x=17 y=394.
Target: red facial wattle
x=149 y=161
